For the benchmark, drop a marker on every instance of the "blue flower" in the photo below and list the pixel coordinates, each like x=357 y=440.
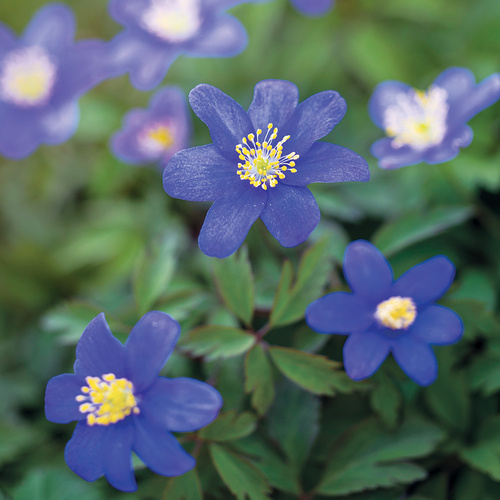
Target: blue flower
x=158 y=31
x=260 y=163
x=153 y=135
x=383 y=315
x=313 y=7
x=41 y=76
x=429 y=126
x=122 y=405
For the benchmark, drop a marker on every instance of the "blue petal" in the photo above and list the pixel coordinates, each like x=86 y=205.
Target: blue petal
x=339 y=312
x=127 y=12
x=7 y=40
x=367 y=271
x=229 y=219
x=437 y=325
x=181 y=404
x=226 y=119
x=291 y=214
x=313 y=7
x=313 y=119
x=98 y=352
x=326 y=162
x=363 y=354
x=426 y=282
x=59 y=124
x=459 y=137
x=416 y=359
x=390 y=157
x=60 y=404
x=274 y=101
x=148 y=347
x=200 y=174
x=385 y=95
x=159 y=450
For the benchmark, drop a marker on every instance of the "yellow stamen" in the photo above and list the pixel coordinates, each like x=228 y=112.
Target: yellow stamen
x=396 y=313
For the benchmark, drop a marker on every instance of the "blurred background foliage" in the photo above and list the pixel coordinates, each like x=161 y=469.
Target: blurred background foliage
x=81 y=233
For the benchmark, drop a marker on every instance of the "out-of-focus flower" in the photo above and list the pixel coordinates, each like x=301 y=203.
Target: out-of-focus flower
x=429 y=126
x=313 y=7
x=153 y=135
x=260 y=163
x=122 y=405
x=41 y=76
x=158 y=31
x=382 y=316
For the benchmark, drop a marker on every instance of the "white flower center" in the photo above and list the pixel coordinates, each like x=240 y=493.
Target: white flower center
x=155 y=139
x=396 y=313
x=27 y=77
x=172 y=20
x=418 y=119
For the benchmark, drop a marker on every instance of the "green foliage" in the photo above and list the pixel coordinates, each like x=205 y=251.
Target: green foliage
x=259 y=379
x=185 y=487
x=229 y=426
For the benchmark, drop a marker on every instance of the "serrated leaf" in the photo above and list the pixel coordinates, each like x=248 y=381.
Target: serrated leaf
x=185 y=487
x=234 y=279
x=230 y=426
x=241 y=477
x=217 y=342
x=312 y=372
x=259 y=379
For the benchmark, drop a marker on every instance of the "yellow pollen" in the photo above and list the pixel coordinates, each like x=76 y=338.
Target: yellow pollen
x=396 y=313
x=154 y=140
x=108 y=399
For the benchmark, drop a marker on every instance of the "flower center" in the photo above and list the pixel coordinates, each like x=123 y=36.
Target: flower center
x=27 y=77
x=263 y=162
x=418 y=119
x=172 y=20
x=155 y=139
x=107 y=400
x=396 y=313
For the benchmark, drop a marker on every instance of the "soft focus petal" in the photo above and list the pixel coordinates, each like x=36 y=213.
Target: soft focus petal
x=390 y=157
x=385 y=95
x=437 y=325
x=200 y=174
x=426 y=282
x=98 y=352
x=460 y=137
x=7 y=40
x=60 y=404
x=181 y=404
x=339 y=312
x=127 y=12
x=148 y=347
x=367 y=271
x=59 y=124
x=416 y=359
x=159 y=450
x=274 y=101
x=326 y=162
x=313 y=7
x=363 y=353
x=228 y=221
x=226 y=119
x=291 y=214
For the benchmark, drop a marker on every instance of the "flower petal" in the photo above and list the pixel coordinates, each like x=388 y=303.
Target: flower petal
x=313 y=7
x=291 y=214
x=7 y=39
x=367 y=271
x=390 y=157
x=427 y=281
x=385 y=95
x=459 y=137
x=326 y=162
x=228 y=221
x=181 y=404
x=98 y=352
x=416 y=359
x=59 y=124
x=148 y=347
x=226 y=119
x=200 y=174
x=363 y=354
x=61 y=406
x=127 y=12
x=437 y=325
x=159 y=450
x=339 y=312
x=274 y=101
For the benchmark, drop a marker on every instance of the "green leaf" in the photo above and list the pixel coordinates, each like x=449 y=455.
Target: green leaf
x=386 y=400
x=371 y=457
x=242 y=478
x=216 y=342
x=230 y=426
x=185 y=487
x=234 y=280
x=15 y=439
x=290 y=301
x=312 y=372
x=414 y=227
x=259 y=379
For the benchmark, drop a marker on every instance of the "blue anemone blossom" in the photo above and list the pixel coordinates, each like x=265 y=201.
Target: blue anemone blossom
x=154 y=134
x=122 y=405
x=41 y=76
x=313 y=7
x=429 y=126
x=158 y=31
x=260 y=163
x=382 y=315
